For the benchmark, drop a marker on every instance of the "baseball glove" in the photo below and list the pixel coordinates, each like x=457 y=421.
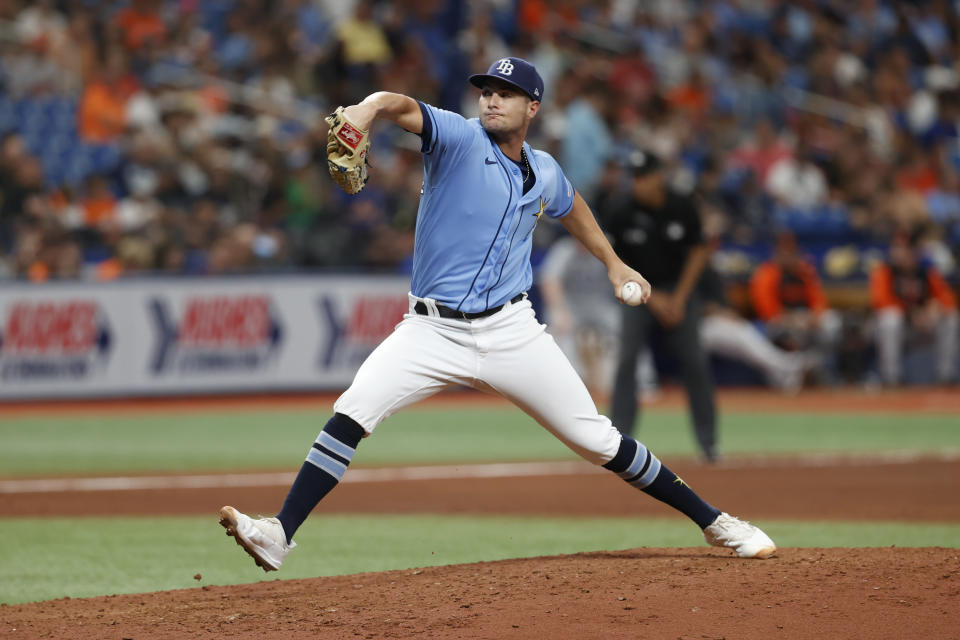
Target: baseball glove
x=347 y=147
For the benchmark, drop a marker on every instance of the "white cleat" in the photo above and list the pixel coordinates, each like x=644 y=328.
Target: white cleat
x=741 y=536
x=263 y=538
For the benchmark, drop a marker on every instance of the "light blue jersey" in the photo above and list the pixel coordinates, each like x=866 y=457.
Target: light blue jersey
x=475 y=225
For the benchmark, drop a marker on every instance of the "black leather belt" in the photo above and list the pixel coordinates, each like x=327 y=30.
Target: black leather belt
x=446 y=312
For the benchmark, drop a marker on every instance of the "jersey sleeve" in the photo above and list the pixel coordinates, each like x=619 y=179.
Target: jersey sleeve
x=442 y=130
x=557 y=190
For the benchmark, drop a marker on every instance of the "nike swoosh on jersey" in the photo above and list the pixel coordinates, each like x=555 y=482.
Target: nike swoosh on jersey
x=489 y=161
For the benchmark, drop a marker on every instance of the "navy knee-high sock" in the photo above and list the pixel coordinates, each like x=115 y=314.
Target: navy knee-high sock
x=323 y=469
x=643 y=470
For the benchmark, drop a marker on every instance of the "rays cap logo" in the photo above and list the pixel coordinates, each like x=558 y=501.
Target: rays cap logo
x=514 y=71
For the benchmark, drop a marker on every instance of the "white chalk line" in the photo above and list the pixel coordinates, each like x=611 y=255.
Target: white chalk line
x=219 y=481
x=446 y=472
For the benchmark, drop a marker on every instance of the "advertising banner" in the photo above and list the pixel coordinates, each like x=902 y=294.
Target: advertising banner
x=148 y=337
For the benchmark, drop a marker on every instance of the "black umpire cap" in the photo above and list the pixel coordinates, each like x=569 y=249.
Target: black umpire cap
x=642 y=162
x=515 y=71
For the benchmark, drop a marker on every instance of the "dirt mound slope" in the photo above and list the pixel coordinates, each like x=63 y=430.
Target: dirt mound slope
x=655 y=593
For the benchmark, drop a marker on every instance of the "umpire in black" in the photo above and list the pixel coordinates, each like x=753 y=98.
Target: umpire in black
x=657 y=231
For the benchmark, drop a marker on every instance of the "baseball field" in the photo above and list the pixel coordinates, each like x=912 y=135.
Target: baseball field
x=462 y=518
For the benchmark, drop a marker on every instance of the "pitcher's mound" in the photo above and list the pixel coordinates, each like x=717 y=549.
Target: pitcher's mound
x=639 y=593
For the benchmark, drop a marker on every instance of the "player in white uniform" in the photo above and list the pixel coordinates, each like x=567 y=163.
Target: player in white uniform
x=584 y=317
x=470 y=324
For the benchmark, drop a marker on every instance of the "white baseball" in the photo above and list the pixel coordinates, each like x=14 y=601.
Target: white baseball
x=631 y=293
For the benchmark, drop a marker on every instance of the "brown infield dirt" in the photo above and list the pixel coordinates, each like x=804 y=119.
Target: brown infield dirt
x=639 y=593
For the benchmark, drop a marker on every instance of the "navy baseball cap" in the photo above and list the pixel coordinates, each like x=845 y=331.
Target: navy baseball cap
x=515 y=71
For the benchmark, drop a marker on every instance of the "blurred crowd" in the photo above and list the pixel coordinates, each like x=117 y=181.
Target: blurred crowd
x=187 y=137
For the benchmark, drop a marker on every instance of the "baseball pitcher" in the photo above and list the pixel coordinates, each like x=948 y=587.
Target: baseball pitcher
x=469 y=321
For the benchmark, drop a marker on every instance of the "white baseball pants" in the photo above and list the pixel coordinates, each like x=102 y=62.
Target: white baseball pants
x=891 y=330
x=509 y=353
x=737 y=338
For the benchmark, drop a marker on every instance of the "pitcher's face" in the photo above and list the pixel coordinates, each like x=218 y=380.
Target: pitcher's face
x=504 y=109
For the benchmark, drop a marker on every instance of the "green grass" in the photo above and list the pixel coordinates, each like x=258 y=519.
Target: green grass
x=50 y=558
x=260 y=440
x=279 y=439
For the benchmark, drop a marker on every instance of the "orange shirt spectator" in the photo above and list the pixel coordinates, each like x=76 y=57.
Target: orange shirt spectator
x=532 y=14
x=103 y=113
x=909 y=295
x=908 y=284
x=917 y=172
x=774 y=289
x=689 y=97
x=919 y=178
x=99 y=202
x=108 y=270
x=786 y=282
x=692 y=97
x=535 y=15
x=103 y=107
x=38 y=272
x=788 y=297
x=213 y=98
x=140 y=24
